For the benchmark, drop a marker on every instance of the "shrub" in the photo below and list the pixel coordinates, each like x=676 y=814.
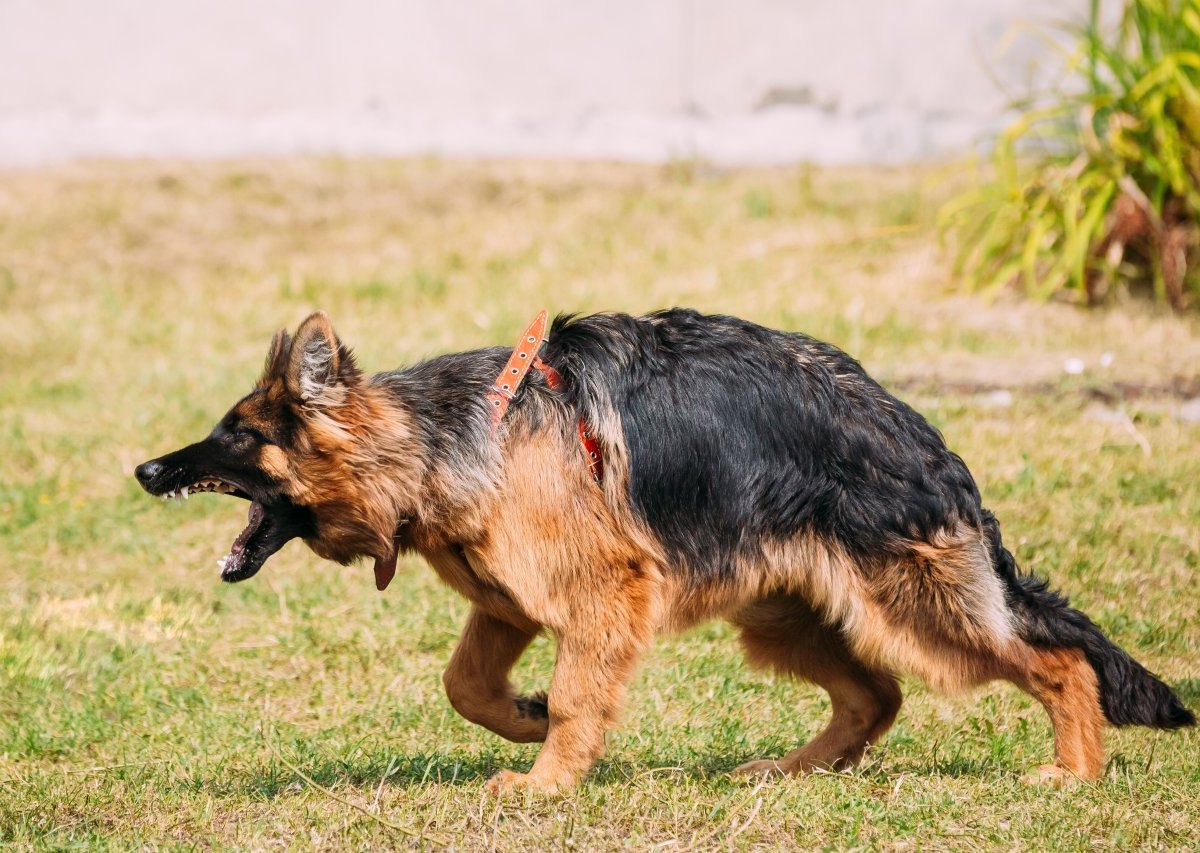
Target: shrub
x=1094 y=188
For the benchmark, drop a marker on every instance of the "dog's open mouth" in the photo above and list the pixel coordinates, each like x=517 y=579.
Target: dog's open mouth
x=270 y=525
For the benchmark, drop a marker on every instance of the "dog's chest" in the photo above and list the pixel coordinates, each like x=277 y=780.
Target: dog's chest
x=455 y=567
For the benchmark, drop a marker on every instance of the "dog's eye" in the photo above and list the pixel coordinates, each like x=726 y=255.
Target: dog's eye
x=241 y=435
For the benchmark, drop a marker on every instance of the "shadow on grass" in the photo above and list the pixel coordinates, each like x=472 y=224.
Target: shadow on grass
x=275 y=778
x=299 y=765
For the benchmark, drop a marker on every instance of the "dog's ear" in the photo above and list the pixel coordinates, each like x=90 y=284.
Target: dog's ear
x=275 y=366
x=320 y=370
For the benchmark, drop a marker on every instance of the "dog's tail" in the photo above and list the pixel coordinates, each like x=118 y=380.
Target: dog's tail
x=1130 y=695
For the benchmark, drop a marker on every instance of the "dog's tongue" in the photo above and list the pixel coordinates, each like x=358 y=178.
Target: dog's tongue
x=256 y=517
x=385 y=570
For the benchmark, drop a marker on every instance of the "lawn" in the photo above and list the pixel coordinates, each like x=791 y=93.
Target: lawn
x=143 y=702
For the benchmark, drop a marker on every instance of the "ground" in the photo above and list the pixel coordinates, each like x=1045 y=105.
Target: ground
x=143 y=702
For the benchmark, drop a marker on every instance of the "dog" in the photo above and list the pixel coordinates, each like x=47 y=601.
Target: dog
x=628 y=476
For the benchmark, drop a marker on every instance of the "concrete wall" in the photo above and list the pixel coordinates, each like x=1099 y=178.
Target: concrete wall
x=732 y=80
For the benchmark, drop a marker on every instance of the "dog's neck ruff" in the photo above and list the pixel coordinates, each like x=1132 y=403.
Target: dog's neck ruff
x=525 y=356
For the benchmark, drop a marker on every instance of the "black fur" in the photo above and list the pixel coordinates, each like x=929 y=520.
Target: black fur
x=533 y=707
x=445 y=396
x=1129 y=693
x=738 y=433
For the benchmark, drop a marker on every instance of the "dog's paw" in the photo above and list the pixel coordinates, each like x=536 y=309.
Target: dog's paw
x=765 y=767
x=508 y=782
x=1051 y=776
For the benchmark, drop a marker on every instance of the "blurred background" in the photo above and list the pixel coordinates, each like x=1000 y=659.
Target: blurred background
x=760 y=81
x=992 y=204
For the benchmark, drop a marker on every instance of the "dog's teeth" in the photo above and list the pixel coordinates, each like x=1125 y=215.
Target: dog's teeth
x=185 y=493
x=166 y=497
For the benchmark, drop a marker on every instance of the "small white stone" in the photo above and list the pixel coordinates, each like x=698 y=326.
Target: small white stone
x=1001 y=398
x=1105 y=414
x=1190 y=411
x=1073 y=366
x=1107 y=359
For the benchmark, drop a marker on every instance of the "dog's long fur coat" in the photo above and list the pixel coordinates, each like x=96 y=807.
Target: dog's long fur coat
x=753 y=475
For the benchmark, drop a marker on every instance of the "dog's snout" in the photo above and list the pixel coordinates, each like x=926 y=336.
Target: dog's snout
x=147 y=471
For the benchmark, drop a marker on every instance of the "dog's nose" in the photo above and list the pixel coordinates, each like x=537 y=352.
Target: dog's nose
x=147 y=471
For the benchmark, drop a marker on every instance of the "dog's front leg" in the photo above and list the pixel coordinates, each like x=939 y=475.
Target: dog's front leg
x=593 y=664
x=477 y=679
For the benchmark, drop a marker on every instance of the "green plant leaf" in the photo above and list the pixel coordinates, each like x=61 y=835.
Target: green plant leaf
x=1133 y=119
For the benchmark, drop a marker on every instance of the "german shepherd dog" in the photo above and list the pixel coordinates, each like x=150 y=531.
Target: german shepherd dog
x=748 y=474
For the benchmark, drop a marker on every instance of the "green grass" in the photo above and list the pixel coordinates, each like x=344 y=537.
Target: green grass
x=142 y=702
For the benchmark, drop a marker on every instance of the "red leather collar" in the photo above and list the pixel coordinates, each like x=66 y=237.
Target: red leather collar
x=524 y=356
x=516 y=368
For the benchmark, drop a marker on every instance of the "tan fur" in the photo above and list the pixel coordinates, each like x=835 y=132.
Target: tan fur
x=477 y=678
x=343 y=470
x=784 y=633
x=1066 y=686
x=544 y=545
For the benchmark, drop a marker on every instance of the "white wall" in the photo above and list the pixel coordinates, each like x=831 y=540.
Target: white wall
x=731 y=80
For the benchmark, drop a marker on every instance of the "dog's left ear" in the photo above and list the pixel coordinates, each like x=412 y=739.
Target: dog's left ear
x=275 y=367
x=320 y=368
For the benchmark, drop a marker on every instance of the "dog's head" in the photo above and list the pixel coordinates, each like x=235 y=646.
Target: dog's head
x=296 y=447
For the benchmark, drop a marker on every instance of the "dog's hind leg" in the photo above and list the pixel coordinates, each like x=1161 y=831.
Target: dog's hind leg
x=1063 y=681
x=785 y=634
x=944 y=613
x=477 y=680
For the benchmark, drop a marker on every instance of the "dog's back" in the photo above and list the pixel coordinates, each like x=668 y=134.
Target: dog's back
x=738 y=435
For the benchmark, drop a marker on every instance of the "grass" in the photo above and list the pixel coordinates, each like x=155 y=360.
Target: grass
x=143 y=703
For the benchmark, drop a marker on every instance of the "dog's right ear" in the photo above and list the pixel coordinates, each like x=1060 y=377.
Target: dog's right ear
x=320 y=368
x=277 y=357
